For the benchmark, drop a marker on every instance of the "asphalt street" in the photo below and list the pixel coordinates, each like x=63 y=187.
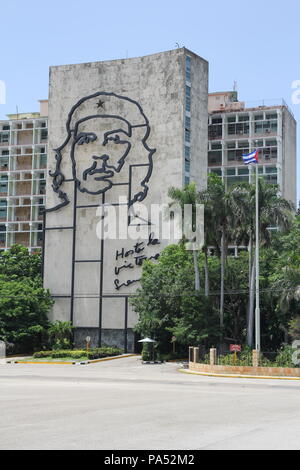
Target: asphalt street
x=125 y=405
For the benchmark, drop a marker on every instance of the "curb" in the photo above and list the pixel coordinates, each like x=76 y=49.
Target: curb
x=72 y=363
x=204 y=374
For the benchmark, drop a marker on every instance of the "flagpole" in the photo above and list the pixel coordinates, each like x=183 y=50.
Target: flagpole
x=257 y=240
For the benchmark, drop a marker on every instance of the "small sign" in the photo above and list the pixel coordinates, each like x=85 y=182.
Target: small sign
x=235 y=348
x=88 y=339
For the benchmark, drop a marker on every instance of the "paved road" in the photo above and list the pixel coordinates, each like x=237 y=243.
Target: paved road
x=126 y=405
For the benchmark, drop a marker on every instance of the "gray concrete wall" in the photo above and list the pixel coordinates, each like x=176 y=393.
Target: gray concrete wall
x=157 y=84
x=289 y=171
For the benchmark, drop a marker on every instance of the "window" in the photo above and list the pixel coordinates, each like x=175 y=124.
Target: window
x=44 y=134
x=231 y=145
x=187 y=153
x=4 y=137
x=244 y=118
x=186 y=180
x=42 y=187
x=4 y=163
x=43 y=160
x=271 y=169
x=188 y=63
x=3 y=187
x=230 y=172
x=188 y=98
x=243 y=171
x=216 y=146
x=3 y=209
x=271 y=116
x=271 y=179
x=216 y=121
x=215 y=131
x=240 y=128
x=214 y=158
x=244 y=145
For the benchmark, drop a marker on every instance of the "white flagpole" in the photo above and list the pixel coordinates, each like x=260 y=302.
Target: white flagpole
x=257 y=240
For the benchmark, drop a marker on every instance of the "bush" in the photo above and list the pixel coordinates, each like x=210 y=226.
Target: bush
x=99 y=353
x=285 y=357
x=60 y=335
x=103 y=352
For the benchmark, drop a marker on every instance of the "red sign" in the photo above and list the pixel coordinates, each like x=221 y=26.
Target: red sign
x=235 y=348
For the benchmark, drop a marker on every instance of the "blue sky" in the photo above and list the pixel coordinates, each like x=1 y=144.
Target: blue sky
x=255 y=43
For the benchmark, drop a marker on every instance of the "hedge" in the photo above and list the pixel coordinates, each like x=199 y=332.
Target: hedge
x=98 y=353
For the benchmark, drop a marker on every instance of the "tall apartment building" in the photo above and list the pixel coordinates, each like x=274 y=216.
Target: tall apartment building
x=23 y=167
x=236 y=128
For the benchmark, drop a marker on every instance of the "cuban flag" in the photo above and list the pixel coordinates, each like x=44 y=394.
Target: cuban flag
x=251 y=158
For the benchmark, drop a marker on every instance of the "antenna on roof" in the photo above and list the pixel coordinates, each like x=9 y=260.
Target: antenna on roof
x=235 y=86
x=177 y=45
x=17 y=112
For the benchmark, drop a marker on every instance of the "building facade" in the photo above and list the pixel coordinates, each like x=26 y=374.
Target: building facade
x=23 y=168
x=123 y=131
x=236 y=128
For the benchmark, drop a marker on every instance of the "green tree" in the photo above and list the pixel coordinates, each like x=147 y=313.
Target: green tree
x=23 y=314
x=24 y=303
x=274 y=211
x=188 y=196
x=217 y=216
x=168 y=305
x=18 y=263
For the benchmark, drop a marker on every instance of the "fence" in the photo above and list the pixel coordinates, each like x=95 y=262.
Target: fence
x=244 y=364
x=244 y=358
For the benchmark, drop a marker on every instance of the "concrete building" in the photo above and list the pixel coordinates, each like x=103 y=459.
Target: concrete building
x=236 y=128
x=23 y=167
x=125 y=128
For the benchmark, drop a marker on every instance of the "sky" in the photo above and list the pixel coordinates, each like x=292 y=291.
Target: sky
x=256 y=44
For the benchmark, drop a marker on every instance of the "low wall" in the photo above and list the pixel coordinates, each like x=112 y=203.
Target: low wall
x=231 y=370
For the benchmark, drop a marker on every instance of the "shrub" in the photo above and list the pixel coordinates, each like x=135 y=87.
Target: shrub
x=103 y=352
x=60 y=335
x=285 y=357
x=79 y=354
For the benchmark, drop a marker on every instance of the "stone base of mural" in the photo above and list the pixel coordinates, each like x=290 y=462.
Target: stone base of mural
x=109 y=338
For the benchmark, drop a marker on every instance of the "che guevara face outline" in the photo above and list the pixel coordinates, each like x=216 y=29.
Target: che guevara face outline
x=102 y=167
x=75 y=138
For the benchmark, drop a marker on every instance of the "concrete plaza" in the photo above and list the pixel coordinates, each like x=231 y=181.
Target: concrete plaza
x=123 y=404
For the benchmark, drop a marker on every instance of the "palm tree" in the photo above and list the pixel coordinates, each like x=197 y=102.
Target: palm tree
x=217 y=211
x=274 y=211
x=188 y=196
